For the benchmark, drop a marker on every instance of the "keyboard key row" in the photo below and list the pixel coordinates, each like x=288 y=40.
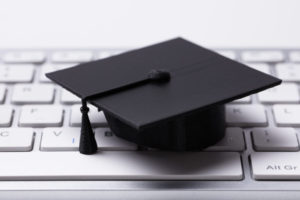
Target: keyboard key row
x=236 y=115
x=67 y=139
x=79 y=56
x=44 y=93
x=86 y=55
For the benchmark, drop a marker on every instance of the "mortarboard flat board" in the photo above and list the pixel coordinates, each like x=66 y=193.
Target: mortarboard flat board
x=169 y=95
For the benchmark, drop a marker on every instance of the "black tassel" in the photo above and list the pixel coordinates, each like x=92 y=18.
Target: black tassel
x=88 y=144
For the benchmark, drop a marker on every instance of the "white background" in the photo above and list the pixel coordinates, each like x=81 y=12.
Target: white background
x=132 y=23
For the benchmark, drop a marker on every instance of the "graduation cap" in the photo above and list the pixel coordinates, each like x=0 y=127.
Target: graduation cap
x=169 y=95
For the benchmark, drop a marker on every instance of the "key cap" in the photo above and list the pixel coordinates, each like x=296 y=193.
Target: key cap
x=228 y=54
x=2 y=93
x=284 y=93
x=245 y=115
x=262 y=56
x=276 y=165
x=275 y=139
x=263 y=67
x=69 y=98
x=24 y=57
x=96 y=118
x=232 y=141
x=288 y=71
x=243 y=100
x=295 y=56
x=72 y=56
x=118 y=165
x=28 y=93
x=6 y=113
x=53 y=67
x=60 y=139
x=106 y=140
x=15 y=74
x=16 y=139
x=41 y=116
x=287 y=115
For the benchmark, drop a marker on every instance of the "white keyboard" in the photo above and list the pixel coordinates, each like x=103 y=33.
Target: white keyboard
x=40 y=123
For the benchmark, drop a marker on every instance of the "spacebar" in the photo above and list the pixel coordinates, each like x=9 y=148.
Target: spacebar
x=110 y=165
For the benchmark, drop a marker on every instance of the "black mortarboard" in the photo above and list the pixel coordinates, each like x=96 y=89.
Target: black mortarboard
x=169 y=95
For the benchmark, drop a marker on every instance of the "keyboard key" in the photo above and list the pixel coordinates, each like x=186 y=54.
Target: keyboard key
x=262 y=56
x=232 y=141
x=96 y=118
x=24 y=57
x=243 y=100
x=16 y=139
x=276 y=165
x=275 y=139
x=15 y=74
x=284 y=93
x=295 y=56
x=28 y=93
x=69 y=98
x=263 y=67
x=246 y=115
x=53 y=67
x=228 y=54
x=2 y=93
x=287 y=115
x=118 y=165
x=106 y=140
x=72 y=56
x=6 y=113
x=288 y=71
x=60 y=139
x=41 y=116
